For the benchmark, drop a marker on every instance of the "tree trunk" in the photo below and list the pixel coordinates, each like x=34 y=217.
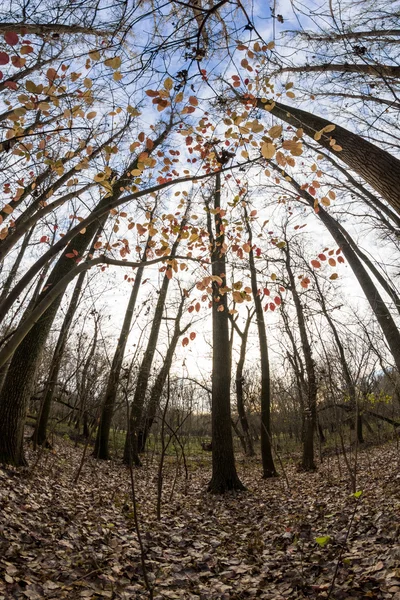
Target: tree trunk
x=239 y=379
x=101 y=448
x=266 y=445
x=224 y=475
x=310 y=411
x=376 y=302
x=377 y=167
x=351 y=388
x=131 y=449
x=157 y=389
x=40 y=433
x=377 y=70
x=14 y=269
x=19 y=382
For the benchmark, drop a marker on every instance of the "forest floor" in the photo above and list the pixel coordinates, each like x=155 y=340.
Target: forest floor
x=64 y=540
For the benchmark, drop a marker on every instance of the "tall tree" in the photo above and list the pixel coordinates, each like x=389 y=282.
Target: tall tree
x=266 y=439
x=224 y=475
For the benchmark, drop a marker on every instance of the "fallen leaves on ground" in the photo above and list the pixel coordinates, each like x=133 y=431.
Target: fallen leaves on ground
x=65 y=540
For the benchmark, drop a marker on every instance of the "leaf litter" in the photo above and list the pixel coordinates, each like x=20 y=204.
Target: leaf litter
x=65 y=540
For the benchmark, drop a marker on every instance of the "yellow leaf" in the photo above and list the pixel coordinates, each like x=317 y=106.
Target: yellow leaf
x=275 y=131
x=334 y=276
x=290 y=95
x=87 y=82
x=133 y=111
x=114 y=62
x=91 y=115
x=328 y=128
x=325 y=201
x=268 y=150
x=94 y=55
x=168 y=84
x=117 y=76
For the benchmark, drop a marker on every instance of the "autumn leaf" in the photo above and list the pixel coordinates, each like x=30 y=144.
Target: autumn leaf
x=4 y=58
x=114 y=62
x=11 y=38
x=268 y=150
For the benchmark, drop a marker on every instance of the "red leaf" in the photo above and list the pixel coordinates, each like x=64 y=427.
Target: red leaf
x=192 y=335
x=322 y=256
x=11 y=38
x=44 y=238
x=266 y=291
x=1 y=75
x=185 y=341
x=193 y=100
x=340 y=259
x=11 y=85
x=277 y=300
x=191 y=309
x=4 y=58
x=316 y=264
x=70 y=255
x=312 y=191
x=272 y=306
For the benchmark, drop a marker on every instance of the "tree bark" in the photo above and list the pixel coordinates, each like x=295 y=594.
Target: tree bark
x=310 y=410
x=40 y=432
x=239 y=380
x=157 y=389
x=378 y=70
x=377 y=167
x=101 y=449
x=224 y=475
x=266 y=439
x=19 y=383
x=131 y=450
x=377 y=304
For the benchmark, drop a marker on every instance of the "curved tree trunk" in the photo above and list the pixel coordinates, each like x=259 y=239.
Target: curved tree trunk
x=19 y=383
x=351 y=388
x=377 y=167
x=376 y=302
x=40 y=432
x=377 y=70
